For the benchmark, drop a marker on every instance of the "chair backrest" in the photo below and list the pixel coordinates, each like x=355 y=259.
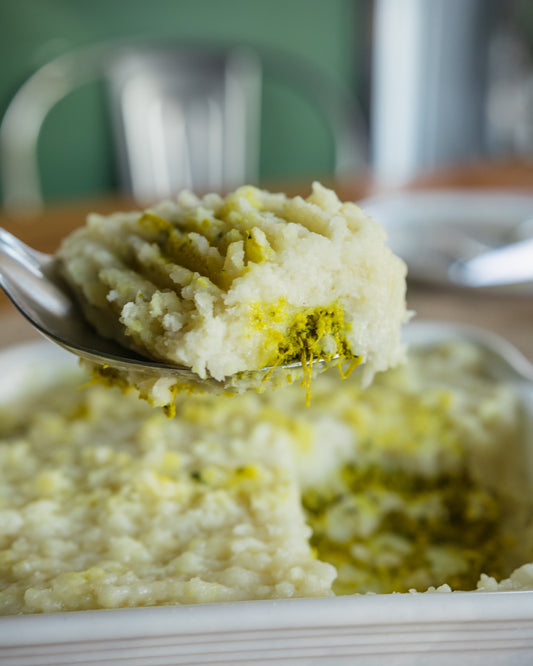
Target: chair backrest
x=183 y=116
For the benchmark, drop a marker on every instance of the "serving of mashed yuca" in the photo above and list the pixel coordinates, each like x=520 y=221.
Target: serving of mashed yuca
x=106 y=503
x=415 y=482
x=229 y=285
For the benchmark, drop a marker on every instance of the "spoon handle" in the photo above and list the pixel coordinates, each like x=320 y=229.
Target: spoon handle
x=13 y=248
x=27 y=276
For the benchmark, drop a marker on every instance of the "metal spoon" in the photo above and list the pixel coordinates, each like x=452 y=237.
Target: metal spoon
x=32 y=281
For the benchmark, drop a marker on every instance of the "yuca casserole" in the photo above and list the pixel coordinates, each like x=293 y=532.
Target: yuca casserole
x=412 y=483
x=226 y=286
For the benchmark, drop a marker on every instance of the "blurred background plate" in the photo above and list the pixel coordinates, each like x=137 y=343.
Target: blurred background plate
x=432 y=229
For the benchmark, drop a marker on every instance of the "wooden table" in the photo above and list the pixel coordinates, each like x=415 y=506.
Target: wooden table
x=509 y=316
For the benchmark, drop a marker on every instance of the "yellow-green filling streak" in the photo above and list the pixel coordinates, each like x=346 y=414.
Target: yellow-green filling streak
x=314 y=334
x=461 y=518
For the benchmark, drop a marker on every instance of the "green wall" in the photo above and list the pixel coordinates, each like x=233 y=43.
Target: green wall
x=75 y=147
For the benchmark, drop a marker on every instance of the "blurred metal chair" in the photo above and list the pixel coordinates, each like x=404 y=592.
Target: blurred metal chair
x=183 y=116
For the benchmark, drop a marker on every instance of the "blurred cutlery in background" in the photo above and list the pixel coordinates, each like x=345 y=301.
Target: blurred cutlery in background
x=505 y=265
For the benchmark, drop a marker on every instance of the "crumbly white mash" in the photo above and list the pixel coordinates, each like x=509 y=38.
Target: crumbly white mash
x=415 y=482
x=106 y=503
x=225 y=286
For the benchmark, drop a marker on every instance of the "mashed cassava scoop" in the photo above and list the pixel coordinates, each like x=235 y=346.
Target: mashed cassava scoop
x=226 y=286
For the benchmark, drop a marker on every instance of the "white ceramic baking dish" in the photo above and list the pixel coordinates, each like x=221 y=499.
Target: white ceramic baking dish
x=468 y=628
